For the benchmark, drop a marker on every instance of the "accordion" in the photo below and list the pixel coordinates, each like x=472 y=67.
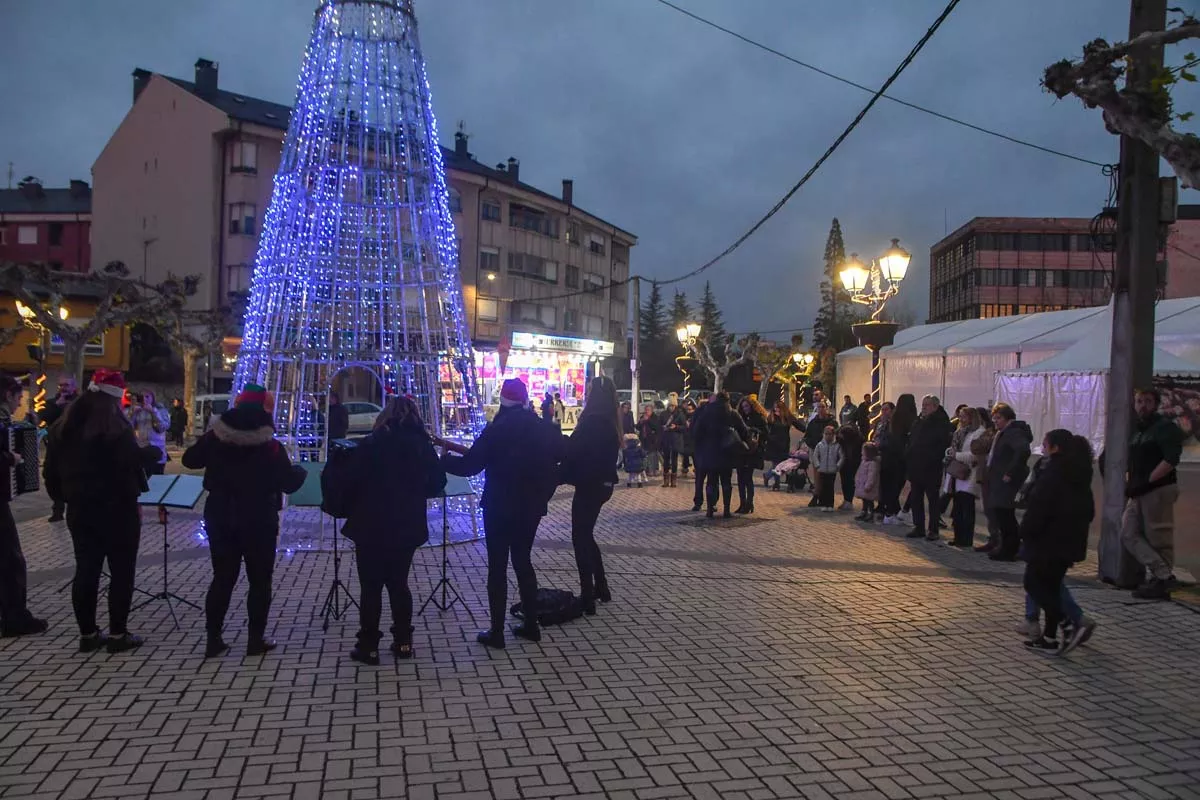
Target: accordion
x=21 y=439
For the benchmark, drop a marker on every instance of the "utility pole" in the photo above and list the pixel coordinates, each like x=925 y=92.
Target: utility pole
x=634 y=363
x=1135 y=286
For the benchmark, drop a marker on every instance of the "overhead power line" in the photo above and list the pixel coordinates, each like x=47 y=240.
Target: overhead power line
x=857 y=85
x=908 y=59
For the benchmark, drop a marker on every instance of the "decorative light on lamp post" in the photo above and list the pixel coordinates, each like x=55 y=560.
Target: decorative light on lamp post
x=873 y=286
x=38 y=351
x=687 y=334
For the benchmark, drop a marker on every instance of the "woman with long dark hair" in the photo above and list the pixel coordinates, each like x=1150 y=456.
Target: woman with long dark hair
x=395 y=471
x=94 y=465
x=717 y=451
x=1054 y=530
x=754 y=416
x=590 y=466
x=892 y=457
x=780 y=423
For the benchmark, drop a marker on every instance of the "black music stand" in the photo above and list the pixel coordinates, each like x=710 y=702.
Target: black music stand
x=455 y=487
x=339 y=599
x=170 y=491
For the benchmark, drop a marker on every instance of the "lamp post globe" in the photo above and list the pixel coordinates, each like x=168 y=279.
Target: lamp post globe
x=894 y=262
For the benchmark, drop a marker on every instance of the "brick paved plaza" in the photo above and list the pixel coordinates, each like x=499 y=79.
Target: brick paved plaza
x=794 y=655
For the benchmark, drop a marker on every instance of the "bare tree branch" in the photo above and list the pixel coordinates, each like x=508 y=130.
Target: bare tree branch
x=743 y=351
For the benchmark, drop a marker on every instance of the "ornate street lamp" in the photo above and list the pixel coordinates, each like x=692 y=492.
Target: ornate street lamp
x=38 y=351
x=873 y=286
x=687 y=334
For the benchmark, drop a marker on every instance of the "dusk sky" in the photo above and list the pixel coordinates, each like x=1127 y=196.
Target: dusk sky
x=672 y=130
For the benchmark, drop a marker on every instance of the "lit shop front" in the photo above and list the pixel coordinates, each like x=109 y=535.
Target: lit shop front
x=559 y=364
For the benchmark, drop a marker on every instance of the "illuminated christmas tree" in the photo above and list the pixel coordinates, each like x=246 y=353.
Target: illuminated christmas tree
x=358 y=264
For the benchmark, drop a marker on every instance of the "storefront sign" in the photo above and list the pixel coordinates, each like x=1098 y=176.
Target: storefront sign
x=562 y=344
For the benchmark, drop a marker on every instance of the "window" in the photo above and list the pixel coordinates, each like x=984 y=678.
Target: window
x=487 y=309
x=1058 y=242
x=238 y=277
x=54 y=231
x=985 y=241
x=241 y=218
x=534 y=314
x=616 y=331
x=593 y=282
x=1006 y=241
x=571 y=320
x=455 y=201
x=1056 y=277
x=573 y=233
x=490 y=210
x=533 y=267
x=531 y=219
x=1026 y=277
x=1083 y=242
x=27 y=234
x=596 y=243
x=1030 y=242
x=572 y=279
x=489 y=260
x=593 y=326
x=1004 y=277
x=245 y=157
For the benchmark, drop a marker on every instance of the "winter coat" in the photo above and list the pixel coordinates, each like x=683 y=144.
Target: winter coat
x=548 y=409
x=520 y=453
x=847 y=413
x=1154 y=440
x=851 y=441
x=710 y=429
x=755 y=423
x=779 y=439
x=52 y=412
x=815 y=430
x=246 y=471
x=394 y=472
x=927 y=445
x=1009 y=457
x=866 y=480
x=179 y=419
x=862 y=418
x=963 y=452
x=150 y=428
x=827 y=457
x=592 y=451
x=627 y=423
x=650 y=432
x=674 y=423
x=339 y=421
x=687 y=437
x=94 y=473
x=633 y=458
x=1058 y=513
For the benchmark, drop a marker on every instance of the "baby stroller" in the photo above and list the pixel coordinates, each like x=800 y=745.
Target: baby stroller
x=794 y=471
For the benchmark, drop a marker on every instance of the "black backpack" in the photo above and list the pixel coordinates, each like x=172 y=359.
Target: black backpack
x=555 y=606
x=338 y=482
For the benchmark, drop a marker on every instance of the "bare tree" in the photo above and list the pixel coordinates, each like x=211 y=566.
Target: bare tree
x=120 y=300
x=193 y=335
x=1145 y=114
x=743 y=351
x=774 y=362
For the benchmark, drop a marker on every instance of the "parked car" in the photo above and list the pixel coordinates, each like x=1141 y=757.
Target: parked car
x=362 y=415
x=647 y=395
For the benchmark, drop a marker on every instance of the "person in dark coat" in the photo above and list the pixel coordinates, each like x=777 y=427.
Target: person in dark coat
x=852 y=442
x=687 y=443
x=813 y=435
x=179 y=421
x=94 y=465
x=548 y=407
x=15 y=617
x=1059 y=510
x=68 y=392
x=627 y=422
x=673 y=421
x=693 y=420
x=520 y=453
x=713 y=453
x=649 y=430
x=754 y=416
x=246 y=473
x=339 y=417
x=1007 y=468
x=924 y=464
x=862 y=417
x=394 y=472
x=780 y=423
x=590 y=466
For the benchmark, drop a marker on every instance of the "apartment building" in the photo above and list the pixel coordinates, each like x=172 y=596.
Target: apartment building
x=183 y=184
x=1000 y=266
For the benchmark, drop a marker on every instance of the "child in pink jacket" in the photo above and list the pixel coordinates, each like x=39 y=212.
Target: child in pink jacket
x=866 y=481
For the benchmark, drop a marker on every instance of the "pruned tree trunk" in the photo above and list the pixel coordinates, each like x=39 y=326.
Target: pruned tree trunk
x=73 y=355
x=190 y=359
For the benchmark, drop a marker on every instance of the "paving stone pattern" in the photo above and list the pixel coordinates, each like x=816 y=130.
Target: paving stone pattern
x=801 y=656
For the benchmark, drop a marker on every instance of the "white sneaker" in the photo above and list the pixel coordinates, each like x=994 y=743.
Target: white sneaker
x=828 y=509
x=890 y=521
x=904 y=518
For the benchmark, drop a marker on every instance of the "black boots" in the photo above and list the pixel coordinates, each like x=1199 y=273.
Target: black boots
x=215 y=647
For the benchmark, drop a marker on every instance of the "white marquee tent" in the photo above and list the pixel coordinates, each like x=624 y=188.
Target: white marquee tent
x=958 y=361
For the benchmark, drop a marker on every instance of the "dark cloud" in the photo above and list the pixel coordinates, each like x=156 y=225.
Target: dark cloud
x=670 y=129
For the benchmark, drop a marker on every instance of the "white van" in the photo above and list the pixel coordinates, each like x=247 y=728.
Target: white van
x=205 y=408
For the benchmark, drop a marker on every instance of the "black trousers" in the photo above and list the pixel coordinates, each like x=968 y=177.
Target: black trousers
x=891 y=482
x=964 y=518
x=510 y=538
x=1010 y=531
x=687 y=462
x=13 y=572
x=847 y=472
x=745 y=476
x=725 y=478
x=383 y=566
x=585 y=510
x=157 y=469
x=1043 y=582
x=920 y=493
x=670 y=459
x=825 y=487
x=229 y=547
x=104 y=532
x=698 y=500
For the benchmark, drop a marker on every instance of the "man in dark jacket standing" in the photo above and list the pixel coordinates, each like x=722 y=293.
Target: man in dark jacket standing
x=862 y=417
x=67 y=392
x=246 y=473
x=1007 y=468
x=15 y=617
x=1148 y=525
x=520 y=453
x=339 y=418
x=927 y=444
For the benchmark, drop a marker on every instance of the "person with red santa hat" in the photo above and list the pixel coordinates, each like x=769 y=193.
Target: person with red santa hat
x=519 y=452
x=95 y=466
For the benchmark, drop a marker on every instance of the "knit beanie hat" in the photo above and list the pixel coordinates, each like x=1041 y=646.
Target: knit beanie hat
x=252 y=395
x=111 y=382
x=514 y=394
